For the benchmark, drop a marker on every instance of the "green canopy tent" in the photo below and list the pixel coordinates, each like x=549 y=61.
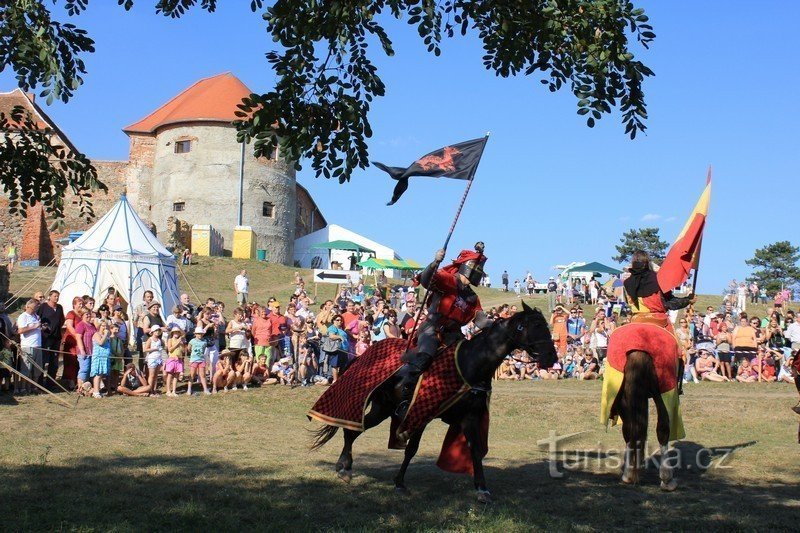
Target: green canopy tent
x=593 y=268
x=349 y=246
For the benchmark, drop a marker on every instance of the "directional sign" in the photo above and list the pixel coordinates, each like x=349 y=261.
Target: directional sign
x=336 y=276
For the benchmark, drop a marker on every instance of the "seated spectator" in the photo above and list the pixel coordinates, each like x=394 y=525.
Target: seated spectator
x=283 y=370
x=224 y=375
x=243 y=370
x=746 y=373
x=706 y=367
x=133 y=382
x=764 y=365
x=588 y=366
x=553 y=372
x=505 y=370
x=569 y=367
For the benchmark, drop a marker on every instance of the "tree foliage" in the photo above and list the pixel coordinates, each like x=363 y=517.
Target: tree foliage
x=35 y=167
x=325 y=76
x=646 y=239
x=775 y=266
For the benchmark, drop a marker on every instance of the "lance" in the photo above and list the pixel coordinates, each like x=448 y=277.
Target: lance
x=447 y=240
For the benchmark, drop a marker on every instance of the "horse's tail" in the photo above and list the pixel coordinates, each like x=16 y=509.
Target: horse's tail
x=323 y=435
x=638 y=384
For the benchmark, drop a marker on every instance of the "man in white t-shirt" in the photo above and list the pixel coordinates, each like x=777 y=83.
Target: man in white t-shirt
x=241 y=286
x=29 y=328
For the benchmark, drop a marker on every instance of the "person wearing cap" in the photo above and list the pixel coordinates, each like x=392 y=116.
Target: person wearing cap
x=552 y=287
x=154 y=355
x=452 y=305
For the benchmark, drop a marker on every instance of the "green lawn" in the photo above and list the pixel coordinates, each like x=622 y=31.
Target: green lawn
x=240 y=461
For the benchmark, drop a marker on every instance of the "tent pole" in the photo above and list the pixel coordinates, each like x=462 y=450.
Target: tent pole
x=241 y=187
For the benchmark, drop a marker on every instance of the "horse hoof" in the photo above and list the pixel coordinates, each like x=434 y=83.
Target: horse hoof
x=484 y=497
x=669 y=486
x=628 y=480
x=345 y=475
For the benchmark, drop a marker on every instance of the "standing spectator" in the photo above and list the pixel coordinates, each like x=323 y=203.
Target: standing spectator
x=101 y=358
x=237 y=331
x=84 y=332
x=744 y=341
x=778 y=302
x=762 y=295
x=154 y=355
x=241 y=286
x=51 y=315
x=517 y=287
x=552 y=287
x=139 y=312
x=594 y=291
x=558 y=324
x=189 y=309
x=741 y=297
x=576 y=326
x=599 y=337
x=29 y=328
x=530 y=285
x=753 y=292
x=504 y=280
x=197 y=360
x=723 y=341
x=336 y=347
x=261 y=331
x=793 y=336
x=73 y=318
x=280 y=336
x=11 y=253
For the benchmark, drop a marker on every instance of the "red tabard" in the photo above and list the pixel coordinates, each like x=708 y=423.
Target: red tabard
x=452 y=305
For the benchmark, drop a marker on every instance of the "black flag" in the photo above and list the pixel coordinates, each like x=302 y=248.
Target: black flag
x=457 y=161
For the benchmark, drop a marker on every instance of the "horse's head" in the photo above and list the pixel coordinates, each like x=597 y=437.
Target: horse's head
x=529 y=331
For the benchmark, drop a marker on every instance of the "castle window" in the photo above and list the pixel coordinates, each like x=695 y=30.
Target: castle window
x=183 y=147
x=268 y=210
x=179 y=206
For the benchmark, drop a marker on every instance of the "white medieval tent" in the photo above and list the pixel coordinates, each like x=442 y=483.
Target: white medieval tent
x=119 y=251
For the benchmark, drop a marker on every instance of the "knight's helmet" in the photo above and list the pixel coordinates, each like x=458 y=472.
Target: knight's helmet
x=470 y=264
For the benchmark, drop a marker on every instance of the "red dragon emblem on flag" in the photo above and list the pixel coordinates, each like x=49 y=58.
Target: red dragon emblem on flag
x=445 y=162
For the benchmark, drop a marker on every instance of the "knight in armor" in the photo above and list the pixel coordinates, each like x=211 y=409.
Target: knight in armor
x=452 y=304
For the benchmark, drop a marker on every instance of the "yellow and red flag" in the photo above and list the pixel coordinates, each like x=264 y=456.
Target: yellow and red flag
x=684 y=255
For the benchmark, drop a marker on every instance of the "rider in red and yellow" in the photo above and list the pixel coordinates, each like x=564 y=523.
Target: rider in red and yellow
x=452 y=304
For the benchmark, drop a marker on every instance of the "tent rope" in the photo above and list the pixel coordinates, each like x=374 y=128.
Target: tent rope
x=34 y=363
x=180 y=269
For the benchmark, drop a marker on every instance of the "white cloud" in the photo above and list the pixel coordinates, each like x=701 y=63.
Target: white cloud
x=650 y=217
x=670 y=219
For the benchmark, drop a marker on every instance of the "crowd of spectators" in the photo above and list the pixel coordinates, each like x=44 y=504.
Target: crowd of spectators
x=201 y=348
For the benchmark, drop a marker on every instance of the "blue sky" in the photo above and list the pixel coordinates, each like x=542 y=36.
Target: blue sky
x=549 y=189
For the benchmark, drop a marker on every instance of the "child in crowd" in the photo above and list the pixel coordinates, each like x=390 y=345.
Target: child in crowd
x=746 y=373
x=117 y=347
x=224 y=375
x=174 y=365
x=197 y=360
x=283 y=369
x=101 y=363
x=153 y=349
x=261 y=372
x=243 y=367
x=133 y=383
x=363 y=343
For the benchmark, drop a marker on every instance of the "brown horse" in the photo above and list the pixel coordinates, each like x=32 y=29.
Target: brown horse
x=527 y=330
x=639 y=384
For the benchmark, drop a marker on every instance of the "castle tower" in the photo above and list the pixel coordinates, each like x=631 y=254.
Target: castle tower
x=185 y=163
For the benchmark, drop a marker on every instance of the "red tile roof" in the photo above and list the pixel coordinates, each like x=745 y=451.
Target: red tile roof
x=17 y=97
x=211 y=99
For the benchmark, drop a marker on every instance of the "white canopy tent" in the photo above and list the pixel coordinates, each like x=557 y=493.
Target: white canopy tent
x=119 y=251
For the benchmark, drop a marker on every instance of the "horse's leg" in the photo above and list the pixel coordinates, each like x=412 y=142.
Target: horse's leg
x=377 y=414
x=636 y=390
x=665 y=471
x=472 y=432
x=411 y=450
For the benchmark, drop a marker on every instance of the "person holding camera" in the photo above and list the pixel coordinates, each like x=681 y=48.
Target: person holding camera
x=51 y=316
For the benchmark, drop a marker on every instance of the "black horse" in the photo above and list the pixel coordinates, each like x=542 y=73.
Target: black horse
x=527 y=330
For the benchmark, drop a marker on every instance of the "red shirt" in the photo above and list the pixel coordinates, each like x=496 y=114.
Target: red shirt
x=277 y=321
x=261 y=330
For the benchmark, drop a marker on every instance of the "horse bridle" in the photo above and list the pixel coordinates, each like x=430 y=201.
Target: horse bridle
x=527 y=347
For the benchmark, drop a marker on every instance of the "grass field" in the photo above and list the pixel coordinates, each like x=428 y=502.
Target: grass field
x=240 y=461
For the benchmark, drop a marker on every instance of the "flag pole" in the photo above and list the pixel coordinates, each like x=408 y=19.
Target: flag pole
x=700 y=244
x=447 y=239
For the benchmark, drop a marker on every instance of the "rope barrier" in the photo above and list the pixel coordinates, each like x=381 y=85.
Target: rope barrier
x=29 y=380
x=186 y=279
x=40 y=369
x=30 y=283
